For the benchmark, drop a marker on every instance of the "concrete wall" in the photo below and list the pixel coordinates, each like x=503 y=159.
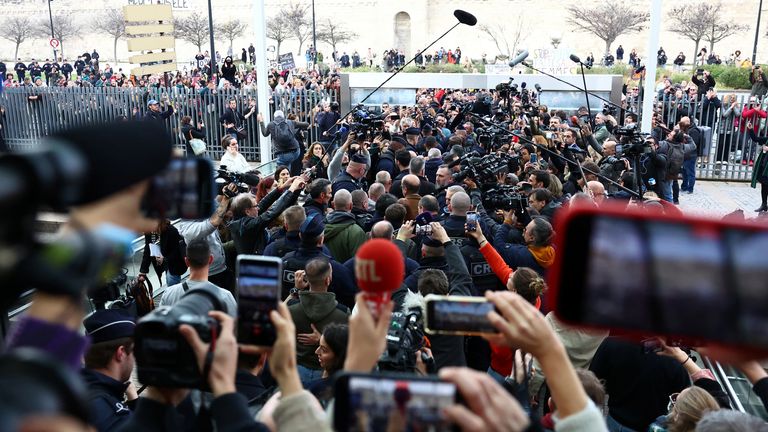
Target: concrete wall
x=374 y=22
x=603 y=85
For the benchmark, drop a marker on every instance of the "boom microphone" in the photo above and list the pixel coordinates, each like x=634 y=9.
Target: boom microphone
x=575 y=58
x=379 y=269
x=465 y=17
x=519 y=59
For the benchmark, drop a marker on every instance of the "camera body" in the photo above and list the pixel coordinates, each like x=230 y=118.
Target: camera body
x=609 y=110
x=404 y=338
x=505 y=197
x=243 y=180
x=633 y=142
x=163 y=356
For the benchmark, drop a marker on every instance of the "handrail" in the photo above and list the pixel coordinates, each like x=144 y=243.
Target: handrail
x=722 y=378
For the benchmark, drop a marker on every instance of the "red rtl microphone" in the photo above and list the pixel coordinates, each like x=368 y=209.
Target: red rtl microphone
x=575 y=121
x=379 y=269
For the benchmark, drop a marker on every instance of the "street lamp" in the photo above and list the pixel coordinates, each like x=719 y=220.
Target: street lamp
x=757 y=32
x=213 y=48
x=314 y=35
x=53 y=35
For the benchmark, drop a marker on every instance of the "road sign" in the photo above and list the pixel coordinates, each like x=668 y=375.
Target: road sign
x=54 y=43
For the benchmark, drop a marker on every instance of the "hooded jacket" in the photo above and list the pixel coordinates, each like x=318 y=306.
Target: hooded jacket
x=515 y=255
x=320 y=309
x=343 y=236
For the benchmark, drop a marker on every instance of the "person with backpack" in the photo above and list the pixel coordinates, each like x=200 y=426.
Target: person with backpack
x=674 y=148
x=283 y=133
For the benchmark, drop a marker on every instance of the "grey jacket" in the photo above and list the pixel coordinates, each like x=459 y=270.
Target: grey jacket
x=192 y=230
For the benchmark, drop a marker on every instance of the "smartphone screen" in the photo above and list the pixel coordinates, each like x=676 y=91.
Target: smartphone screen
x=472 y=221
x=258 y=291
x=185 y=190
x=693 y=278
x=373 y=403
x=458 y=315
x=534 y=158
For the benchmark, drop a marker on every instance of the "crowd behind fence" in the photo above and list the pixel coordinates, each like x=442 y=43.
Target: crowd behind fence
x=725 y=150
x=35 y=112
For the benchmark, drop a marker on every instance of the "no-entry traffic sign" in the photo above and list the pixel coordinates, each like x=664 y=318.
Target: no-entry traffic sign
x=54 y=43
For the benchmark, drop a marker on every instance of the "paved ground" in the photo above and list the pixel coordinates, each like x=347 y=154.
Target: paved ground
x=719 y=198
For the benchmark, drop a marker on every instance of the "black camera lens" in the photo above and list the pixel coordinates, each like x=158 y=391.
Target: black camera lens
x=163 y=356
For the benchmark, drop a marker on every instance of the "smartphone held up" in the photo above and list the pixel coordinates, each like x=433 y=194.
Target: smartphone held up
x=258 y=291
x=691 y=279
x=368 y=402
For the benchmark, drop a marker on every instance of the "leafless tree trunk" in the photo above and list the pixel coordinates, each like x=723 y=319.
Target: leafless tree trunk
x=17 y=29
x=608 y=21
x=112 y=23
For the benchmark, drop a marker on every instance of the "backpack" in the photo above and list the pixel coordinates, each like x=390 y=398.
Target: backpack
x=140 y=289
x=285 y=137
x=675 y=158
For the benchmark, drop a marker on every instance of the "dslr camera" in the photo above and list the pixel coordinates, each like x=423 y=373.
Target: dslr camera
x=163 y=356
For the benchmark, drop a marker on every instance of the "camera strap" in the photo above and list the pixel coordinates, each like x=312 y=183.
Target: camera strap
x=209 y=355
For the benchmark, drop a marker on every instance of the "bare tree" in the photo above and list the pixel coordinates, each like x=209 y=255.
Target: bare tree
x=607 y=21
x=232 y=30
x=298 y=22
x=193 y=29
x=720 y=30
x=333 y=34
x=693 y=21
x=506 y=36
x=16 y=29
x=277 y=31
x=65 y=28
x=112 y=23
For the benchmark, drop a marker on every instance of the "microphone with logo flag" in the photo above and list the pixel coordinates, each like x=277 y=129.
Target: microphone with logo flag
x=380 y=270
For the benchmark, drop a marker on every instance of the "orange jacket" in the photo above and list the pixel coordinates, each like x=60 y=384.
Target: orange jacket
x=502 y=357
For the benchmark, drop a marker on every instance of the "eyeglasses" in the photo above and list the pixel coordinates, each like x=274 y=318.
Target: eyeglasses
x=672 y=401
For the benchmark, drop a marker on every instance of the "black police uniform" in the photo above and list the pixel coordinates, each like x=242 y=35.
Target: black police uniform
x=345 y=181
x=105 y=401
x=21 y=71
x=341 y=283
x=483 y=278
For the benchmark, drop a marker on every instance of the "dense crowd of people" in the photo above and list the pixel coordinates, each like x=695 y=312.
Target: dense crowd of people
x=385 y=182
x=409 y=176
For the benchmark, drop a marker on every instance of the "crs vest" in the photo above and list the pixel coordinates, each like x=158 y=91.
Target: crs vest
x=345 y=181
x=282 y=248
x=483 y=277
x=291 y=263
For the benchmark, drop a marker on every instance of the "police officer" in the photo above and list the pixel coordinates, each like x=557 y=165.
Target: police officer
x=35 y=71
x=109 y=363
x=21 y=70
x=483 y=278
x=79 y=65
x=311 y=246
x=66 y=69
x=350 y=179
x=47 y=68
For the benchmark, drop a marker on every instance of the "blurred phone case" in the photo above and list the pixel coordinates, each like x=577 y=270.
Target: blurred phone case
x=691 y=279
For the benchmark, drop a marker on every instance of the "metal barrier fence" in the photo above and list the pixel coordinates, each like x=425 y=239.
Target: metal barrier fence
x=35 y=112
x=727 y=152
